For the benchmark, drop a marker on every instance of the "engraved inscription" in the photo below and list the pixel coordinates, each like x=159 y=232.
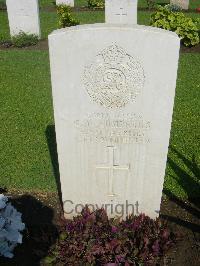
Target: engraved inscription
x=24 y=12
x=100 y=127
x=121 y=14
x=114 y=79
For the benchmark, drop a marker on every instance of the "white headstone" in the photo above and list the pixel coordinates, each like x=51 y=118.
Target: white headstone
x=184 y=4
x=121 y=11
x=23 y=16
x=65 y=2
x=113 y=93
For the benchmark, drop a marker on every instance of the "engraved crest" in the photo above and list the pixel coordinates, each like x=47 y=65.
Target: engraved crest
x=114 y=79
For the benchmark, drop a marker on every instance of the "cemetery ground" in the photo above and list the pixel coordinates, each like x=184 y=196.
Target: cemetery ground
x=49 y=21
x=28 y=158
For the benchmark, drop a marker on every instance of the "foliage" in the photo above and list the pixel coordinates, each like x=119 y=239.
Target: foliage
x=92 y=239
x=65 y=17
x=49 y=20
x=186 y=28
x=10 y=227
x=23 y=39
x=5 y=43
x=96 y=4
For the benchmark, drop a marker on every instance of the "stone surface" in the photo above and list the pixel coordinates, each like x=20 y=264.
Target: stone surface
x=113 y=93
x=65 y=2
x=184 y=4
x=23 y=16
x=121 y=11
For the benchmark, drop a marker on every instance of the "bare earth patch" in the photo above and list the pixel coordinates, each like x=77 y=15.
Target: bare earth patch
x=42 y=213
x=42 y=45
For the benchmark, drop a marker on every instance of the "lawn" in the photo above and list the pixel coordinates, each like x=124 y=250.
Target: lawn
x=49 y=20
x=26 y=111
x=27 y=114
x=27 y=119
x=80 y=3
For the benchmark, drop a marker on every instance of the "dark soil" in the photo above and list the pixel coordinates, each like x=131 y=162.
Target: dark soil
x=75 y=9
x=42 y=214
x=43 y=45
x=183 y=218
x=85 y=8
x=3 y=7
x=194 y=49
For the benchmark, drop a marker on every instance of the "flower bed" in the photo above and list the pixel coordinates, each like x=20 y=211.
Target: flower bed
x=93 y=239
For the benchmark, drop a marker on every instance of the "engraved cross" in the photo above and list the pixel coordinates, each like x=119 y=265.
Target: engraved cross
x=111 y=167
x=121 y=14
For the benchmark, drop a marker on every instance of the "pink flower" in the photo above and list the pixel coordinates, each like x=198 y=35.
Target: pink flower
x=114 y=229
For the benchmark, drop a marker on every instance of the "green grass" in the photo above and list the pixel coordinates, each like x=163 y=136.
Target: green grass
x=45 y=3
x=182 y=172
x=49 y=21
x=26 y=112
x=141 y=3
x=90 y=17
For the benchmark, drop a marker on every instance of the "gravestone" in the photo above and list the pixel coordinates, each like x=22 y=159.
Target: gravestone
x=121 y=11
x=23 y=16
x=113 y=92
x=65 y=2
x=184 y=4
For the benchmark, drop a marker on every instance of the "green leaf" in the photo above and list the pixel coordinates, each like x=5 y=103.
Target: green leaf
x=63 y=236
x=49 y=260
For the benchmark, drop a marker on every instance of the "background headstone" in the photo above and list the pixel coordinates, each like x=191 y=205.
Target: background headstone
x=23 y=16
x=184 y=4
x=113 y=94
x=65 y=2
x=121 y=11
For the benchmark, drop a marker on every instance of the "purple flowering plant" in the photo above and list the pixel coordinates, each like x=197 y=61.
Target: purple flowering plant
x=93 y=239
